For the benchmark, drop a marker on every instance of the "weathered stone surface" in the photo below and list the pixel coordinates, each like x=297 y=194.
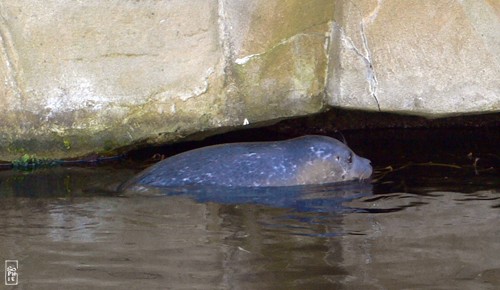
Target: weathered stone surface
x=94 y=75
x=428 y=58
x=278 y=55
x=91 y=76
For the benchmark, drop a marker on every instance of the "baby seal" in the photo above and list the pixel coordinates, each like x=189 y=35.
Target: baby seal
x=300 y=161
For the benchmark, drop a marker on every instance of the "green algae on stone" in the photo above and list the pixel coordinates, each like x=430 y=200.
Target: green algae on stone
x=67 y=144
x=29 y=162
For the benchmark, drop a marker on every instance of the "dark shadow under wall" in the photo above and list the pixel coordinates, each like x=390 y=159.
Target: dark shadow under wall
x=409 y=151
x=386 y=139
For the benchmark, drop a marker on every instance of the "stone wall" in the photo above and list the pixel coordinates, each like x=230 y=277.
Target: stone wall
x=430 y=58
x=92 y=76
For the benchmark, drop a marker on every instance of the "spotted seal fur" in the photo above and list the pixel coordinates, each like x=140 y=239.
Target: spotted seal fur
x=305 y=160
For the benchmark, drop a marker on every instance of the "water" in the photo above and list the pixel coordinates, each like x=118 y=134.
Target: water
x=419 y=225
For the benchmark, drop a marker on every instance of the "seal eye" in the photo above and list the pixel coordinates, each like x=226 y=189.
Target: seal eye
x=349 y=159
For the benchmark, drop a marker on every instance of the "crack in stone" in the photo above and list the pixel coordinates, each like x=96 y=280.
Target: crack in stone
x=225 y=40
x=199 y=90
x=372 y=76
x=245 y=59
x=366 y=56
x=162 y=94
x=126 y=55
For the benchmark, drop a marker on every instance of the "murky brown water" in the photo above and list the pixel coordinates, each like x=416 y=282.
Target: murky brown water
x=425 y=226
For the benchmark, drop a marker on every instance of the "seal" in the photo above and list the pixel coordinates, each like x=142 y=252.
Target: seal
x=310 y=159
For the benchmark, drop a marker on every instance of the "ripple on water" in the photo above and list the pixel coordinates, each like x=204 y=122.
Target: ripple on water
x=416 y=227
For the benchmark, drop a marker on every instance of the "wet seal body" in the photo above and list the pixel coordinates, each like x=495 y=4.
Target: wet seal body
x=300 y=161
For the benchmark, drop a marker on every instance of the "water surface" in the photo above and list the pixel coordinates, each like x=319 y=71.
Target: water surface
x=418 y=225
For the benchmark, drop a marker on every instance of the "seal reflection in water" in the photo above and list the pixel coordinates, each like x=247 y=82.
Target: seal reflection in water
x=300 y=161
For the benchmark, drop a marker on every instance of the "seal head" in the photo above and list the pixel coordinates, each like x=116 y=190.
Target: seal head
x=305 y=160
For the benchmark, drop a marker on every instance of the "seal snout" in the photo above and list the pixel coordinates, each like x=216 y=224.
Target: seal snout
x=362 y=168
